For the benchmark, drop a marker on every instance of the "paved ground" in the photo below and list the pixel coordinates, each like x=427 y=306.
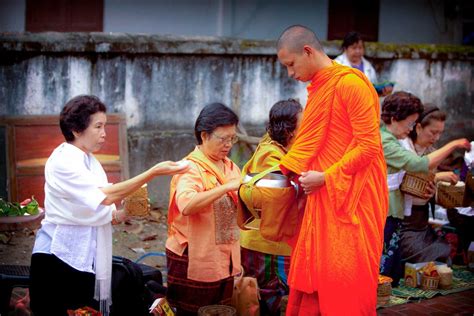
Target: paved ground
x=461 y=303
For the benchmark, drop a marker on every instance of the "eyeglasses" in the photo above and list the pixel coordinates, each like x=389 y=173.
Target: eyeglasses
x=411 y=125
x=225 y=140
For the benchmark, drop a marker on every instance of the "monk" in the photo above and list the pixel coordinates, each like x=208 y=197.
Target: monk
x=339 y=155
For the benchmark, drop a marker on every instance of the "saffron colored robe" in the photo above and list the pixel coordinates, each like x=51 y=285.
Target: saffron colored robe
x=335 y=263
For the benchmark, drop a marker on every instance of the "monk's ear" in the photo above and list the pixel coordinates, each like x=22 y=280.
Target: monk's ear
x=308 y=50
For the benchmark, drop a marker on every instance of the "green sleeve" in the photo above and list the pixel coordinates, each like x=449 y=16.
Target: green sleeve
x=399 y=158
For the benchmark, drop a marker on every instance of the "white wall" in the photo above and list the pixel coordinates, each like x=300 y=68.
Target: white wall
x=12 y=15
x=417 y=21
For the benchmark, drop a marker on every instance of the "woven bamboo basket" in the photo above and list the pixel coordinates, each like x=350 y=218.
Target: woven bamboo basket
x=449 y=196
x=445 y=280
x=136 y=204
x=384 y=291
x=217 y=310
x=416 y=183
x=429 y=282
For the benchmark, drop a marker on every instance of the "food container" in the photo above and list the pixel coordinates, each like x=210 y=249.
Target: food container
x=445 y=278
x=271 y=180
x=449 y=196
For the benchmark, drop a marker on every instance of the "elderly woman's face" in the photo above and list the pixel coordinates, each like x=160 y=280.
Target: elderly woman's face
x=218 y=144
x=402 y=128
x=93 y=137
x=428 y=135
x=355 y=52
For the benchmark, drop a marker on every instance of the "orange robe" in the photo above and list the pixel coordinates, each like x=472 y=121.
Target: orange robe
x=335 y=263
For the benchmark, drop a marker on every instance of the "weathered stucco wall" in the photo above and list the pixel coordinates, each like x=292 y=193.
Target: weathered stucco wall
x=161 y=83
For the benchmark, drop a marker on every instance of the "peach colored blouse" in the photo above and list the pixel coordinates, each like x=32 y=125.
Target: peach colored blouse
x=212 y=235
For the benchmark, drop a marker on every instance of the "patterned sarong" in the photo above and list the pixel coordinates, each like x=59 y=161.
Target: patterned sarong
x=187 y=296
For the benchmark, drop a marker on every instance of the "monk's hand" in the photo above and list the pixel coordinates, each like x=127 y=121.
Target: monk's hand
x=447 y=176
x=311 y=180
x=171 y=167
x=430 y=190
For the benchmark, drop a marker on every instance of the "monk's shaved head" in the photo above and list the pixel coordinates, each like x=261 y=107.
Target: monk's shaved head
x=295 y=37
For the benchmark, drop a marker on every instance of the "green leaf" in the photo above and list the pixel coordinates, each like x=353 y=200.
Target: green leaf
x=32 y=207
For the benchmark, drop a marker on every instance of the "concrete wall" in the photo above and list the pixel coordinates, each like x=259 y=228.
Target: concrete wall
x=161 y=83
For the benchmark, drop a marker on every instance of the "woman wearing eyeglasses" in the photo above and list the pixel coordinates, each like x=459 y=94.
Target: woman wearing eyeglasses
x=202 y=248
x=400 y=112
x=418 y=241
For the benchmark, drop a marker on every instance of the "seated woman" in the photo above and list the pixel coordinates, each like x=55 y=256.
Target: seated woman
x=400 y=112
x=202 y=248
x=418 y=242
x=71 y=265
x=269 y=261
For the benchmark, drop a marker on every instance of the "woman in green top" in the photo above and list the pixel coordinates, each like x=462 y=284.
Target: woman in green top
x=269 y=261
x=400 y=112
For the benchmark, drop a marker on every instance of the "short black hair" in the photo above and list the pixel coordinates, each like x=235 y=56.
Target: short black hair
x=212 y=116
x=283 y=119
x=400 y=105
x=76 y=113
x=296 y=36
x=350 y=39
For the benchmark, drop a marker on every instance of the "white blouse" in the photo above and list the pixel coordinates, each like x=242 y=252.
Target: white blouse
x=73 y=196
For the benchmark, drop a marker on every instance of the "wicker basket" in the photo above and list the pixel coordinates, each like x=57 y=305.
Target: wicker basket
x=429 y=282
x=445 y=280
x=449 y=196
x=416 y=183
x=384 y=291
x=217 y=310
x=136 y=204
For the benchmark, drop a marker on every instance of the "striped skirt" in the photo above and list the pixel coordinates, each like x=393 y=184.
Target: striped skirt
x=187 y=296
x=271 y=272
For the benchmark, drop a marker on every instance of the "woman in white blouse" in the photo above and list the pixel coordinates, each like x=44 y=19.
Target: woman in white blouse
x=72 y=257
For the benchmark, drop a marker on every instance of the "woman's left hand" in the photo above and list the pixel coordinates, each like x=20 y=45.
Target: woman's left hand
x=430 y=190
x=311 y=180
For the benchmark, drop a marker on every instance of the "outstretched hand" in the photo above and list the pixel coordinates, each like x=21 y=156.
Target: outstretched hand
x=463 y=143
x=171 y=167
x=311 y=180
